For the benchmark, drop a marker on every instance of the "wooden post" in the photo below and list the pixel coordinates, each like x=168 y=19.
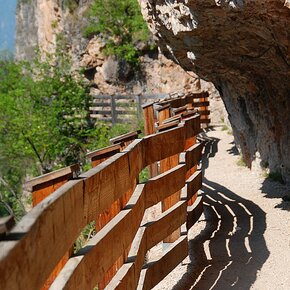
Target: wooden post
x=41 y=187
x=139 y=108
x=6 y=224
x=97 y=157
x=166 y=164
x=114 y=113
x=149 y=128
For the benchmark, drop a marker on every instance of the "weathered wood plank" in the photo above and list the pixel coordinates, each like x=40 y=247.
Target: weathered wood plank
x=200 y=104
x=204 y=112
x=158 y=270
x=179 y=110
x=205 y=121
x=169 y=221
x=192 y=155
x=164 y=185
x=194 y=212
x=40 y=180
x=114 y=238
x=125 y=137
x=147 y=236
x=193 y=184
x=163 y=145
x=104 y=153
x=167 y=126
x=46 y=228
x=149 y=127
x=174 y=118
x=6 y=224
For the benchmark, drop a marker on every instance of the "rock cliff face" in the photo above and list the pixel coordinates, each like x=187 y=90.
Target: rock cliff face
x=243 y=47
x=38 y=23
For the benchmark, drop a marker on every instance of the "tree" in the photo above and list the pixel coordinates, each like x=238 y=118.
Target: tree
x=45 y=124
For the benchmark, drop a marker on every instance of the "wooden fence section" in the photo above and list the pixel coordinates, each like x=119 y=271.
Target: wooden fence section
x=117 y=109
x=33 y=248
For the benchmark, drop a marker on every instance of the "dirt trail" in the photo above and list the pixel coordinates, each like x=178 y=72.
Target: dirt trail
x=243 y=239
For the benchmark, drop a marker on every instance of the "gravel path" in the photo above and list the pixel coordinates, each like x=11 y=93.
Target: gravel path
x=243 y=239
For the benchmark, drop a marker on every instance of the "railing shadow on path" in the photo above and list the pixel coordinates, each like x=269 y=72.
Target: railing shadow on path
x=230 y=249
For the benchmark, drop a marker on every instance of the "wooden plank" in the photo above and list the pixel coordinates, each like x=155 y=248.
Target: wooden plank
x=163 y=145
x=174 y=118
x=204 y=112
x=200 y=104
x=158 y=270
x=192 y=96
x=105 y=152
x=193 y=184
x=167 y=126
x=147 y=236
x=127 y=97
x=94 y=105
x=167 y=164
x=179 y=110
x=107 y=97
x=169 y=221
x=163 y=107
x=45 y=236
x=128 y=276
x=29 y=185
x=119 y=112
x=192 y=126
x=164 y=185
x=113 y=110
x=149 y=128
x=106 y=183
x=194 y=212
x=6 y=224
x=100 y=112
x=205 y=121
x=192 y=155
x=189 y=113
x=125 y=137
x=114 y=239
x=101 y=118
x=43 y=187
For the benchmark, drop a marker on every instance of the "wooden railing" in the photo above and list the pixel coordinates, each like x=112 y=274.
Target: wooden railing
x=117 y=109
x=33 y=248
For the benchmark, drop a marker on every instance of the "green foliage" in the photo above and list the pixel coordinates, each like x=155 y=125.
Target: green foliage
x=86 y=234
x=241 y=162
x=122 y=26
x=44 y=123
x=144 y=175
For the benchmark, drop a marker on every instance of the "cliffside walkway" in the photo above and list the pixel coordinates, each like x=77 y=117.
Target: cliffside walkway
x=243 y=239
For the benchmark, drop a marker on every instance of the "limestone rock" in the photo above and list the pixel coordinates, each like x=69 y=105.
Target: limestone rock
x=243 y=47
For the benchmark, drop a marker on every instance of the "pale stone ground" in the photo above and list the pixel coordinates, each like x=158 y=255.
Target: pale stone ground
x=243 y=239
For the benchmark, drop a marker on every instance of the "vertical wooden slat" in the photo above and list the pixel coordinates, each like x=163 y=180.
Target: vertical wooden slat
x=105 y=217
x=149 y=128
x=167 y=164
x=113 y=108
x=41 y=187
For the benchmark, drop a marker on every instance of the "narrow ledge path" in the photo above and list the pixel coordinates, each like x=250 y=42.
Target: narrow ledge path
x=242 y=240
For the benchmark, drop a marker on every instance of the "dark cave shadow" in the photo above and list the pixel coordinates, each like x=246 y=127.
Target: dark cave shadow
x=231 y=249
x=275 y=190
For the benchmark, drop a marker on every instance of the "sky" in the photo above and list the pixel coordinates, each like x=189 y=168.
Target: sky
x=7 y=24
